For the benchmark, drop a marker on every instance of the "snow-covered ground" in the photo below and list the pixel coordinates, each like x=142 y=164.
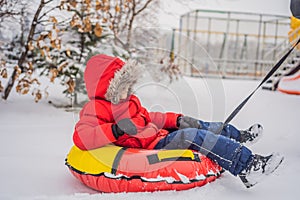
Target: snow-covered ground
x=35 y=139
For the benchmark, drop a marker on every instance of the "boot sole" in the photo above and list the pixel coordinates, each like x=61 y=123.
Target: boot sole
x=275 y=164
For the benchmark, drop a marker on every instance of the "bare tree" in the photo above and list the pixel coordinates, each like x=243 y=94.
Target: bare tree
x=24 y=53
x=100 y=22
x=28 y=46
x=8 y=8
x=118 y=15
x=123 y=20
x=114 y=21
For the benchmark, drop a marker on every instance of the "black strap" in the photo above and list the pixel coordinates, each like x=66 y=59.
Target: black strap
x=117 y=160
x=271 y=72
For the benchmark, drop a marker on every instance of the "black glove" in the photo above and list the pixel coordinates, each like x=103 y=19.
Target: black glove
x=123 y=126
x=187 y=122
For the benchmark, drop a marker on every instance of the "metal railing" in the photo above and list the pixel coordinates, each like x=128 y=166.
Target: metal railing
x=229 y=44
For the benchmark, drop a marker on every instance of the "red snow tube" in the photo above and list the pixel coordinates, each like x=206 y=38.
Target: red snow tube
x=117 y=169
x=290 y=84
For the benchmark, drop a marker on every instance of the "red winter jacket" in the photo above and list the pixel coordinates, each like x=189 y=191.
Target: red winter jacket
x=94 y=129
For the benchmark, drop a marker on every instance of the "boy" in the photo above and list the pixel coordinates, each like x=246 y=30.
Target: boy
x=114 y=115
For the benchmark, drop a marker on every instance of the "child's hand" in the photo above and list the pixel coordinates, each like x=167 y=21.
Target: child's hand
x=124 y=126
x=187 y=122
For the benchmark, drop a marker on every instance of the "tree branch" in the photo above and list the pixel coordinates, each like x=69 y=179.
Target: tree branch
x=24 y=53
x=7 y=8
x=45 y=13
x=143 y=8
x=46 y=2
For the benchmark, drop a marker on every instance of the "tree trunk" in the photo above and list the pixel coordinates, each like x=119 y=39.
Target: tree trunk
x=23 y=56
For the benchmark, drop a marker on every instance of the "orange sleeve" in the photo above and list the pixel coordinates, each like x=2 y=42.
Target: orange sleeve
x=90 y=136
x=164 y=120
x=92 y=131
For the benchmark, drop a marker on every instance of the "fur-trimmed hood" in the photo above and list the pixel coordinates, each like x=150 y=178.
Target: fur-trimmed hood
x=106 y=77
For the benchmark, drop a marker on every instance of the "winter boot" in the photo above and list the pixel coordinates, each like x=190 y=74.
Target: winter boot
x=252 y=134
x=259 y=168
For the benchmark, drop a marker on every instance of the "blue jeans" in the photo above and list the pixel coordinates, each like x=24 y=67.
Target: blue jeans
x=221 y=148
x=227 y=131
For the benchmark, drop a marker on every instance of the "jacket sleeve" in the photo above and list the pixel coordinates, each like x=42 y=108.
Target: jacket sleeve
x=91 y=131
x=164 y=120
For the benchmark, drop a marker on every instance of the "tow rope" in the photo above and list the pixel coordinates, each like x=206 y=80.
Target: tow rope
x=270 y=73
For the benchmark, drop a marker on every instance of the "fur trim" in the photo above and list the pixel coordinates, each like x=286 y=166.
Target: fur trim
x=127 y=76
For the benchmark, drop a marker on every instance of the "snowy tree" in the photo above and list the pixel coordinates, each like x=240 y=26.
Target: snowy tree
x=130 y=21
x=26 y=59
x=59 y=36
x=8 y=8
x=94 y=25
x=83 y=34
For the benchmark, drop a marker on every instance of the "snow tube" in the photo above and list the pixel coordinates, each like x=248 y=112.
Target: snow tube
x=118 y=169
x=290 y=84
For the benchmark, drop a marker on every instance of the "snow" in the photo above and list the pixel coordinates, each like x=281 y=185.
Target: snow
x=182 y=177
x=36 y=137
x=159 y=178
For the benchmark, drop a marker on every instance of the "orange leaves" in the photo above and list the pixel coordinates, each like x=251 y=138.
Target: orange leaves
x=62 y=66
x=24 y=84
x=106 y=8
x=71 y=85
x=88 y=2
x=117 y=8
x=73 y=3
x=75 y=21
x=68 y=52
x=47 y=40
x=83 y=26
x=3 y=73
x=40 y=41
x=1 y=87
x=37 y=95
x=18 y=71
x=53 y=20
x=53 y=73
x=98 y=5
x=28 y=84
x=23 y=87
x=30 y=46
x=53 y=43
x=87 y=25
x=104 y=20
x=56 y=44
x=104 y=5
x=91 y=16
x=98 y=30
